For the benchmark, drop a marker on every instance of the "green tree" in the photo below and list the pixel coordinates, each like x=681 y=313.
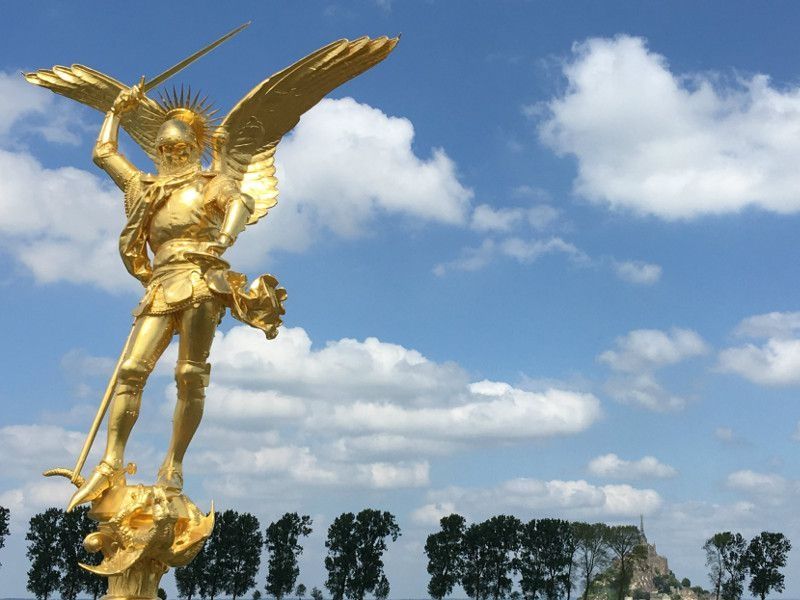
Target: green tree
x=316 y=593
x=382 y=589
x=716 y=570
x=284 y=548
x=445 y=562
x=547 y=550
x=211 y=571
x=356 y=544
x=341 y=559
x=372 y=527
x=733 y=548
x=43 y=575
x=188 y=578
x=242 y=554
x=300 y=591
x=73 y=527
x=162 y=594
x=502 y=539
x=592 y=552
x=624 y=541
x=685 y=582
x=5 y=517
x=765 y=555
x=475 y=568
x=256 y=595
x=531 y=562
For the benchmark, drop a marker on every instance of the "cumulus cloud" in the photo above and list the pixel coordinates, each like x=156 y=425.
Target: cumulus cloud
x=673 y=145
x=344 y=164
x=768 y=484
x=488 y=219
x=637 y=357
x=534 y=497
x=613 y=467
x=638 y=272
x=354 y=414
x=524 y=251
x=376 y=388
x=776 y=362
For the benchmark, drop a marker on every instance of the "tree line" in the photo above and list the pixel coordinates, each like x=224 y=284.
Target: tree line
x=230 y=559
x=549 y=557
x=501 y=557
x=731 y=559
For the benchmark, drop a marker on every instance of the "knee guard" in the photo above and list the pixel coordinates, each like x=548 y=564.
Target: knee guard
x=132 y=374
x=191 y=375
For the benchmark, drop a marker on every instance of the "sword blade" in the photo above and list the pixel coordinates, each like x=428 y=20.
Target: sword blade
x=158 y=79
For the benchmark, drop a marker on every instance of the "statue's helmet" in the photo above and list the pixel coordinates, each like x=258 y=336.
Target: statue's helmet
x=175 y=131
x=187 y=120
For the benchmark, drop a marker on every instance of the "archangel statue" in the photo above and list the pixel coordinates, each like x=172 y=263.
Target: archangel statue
x=180 y=220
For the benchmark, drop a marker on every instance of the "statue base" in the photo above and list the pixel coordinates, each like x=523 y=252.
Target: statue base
x=142 y=532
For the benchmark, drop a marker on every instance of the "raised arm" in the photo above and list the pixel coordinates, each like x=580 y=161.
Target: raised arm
x=106 y=153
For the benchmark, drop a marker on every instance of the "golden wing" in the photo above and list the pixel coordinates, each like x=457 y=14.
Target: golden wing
x=99 y=91
x=256 y=124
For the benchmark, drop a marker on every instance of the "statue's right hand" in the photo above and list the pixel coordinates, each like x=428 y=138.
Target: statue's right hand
x=127 y=100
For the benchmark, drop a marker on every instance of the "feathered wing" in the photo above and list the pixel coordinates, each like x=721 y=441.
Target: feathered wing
x=258 y=122
x=99 y=91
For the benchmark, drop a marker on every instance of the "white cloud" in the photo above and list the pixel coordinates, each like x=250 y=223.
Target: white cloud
x=612 y=466
x=774 y=363
x=61 y=223
x=344 y=164
x=377 y=388
x=638 y=272
x=767 y=484
x=673 y=145
x=769 y=325
x=430 y=514
x=643 y=349
x=524 y=251
x=533 y=497
x=638 y=355
x=724 y=434
x=488 y=219
x=26 y=449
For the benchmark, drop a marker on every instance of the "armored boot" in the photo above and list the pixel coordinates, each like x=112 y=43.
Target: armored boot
x=121 y=419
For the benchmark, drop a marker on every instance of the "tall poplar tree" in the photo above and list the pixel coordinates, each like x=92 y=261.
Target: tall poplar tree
x=766 y=555
x=243 y=557
x=445 y=561
x=5 y=517
x=43 y=553
x=283 y=546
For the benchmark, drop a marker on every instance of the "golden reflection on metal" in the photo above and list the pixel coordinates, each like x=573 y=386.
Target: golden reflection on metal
x=180 y=221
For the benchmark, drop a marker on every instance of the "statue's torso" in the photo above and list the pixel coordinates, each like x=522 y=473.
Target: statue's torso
x=186 y=214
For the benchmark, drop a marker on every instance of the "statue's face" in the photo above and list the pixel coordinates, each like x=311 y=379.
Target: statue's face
x=176 y=147
x=174 y=156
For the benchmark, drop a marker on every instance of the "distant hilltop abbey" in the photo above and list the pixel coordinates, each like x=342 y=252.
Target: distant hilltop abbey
x=652 y=578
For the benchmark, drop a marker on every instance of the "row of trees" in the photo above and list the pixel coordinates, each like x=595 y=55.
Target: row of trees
x=547 y=554
x=229 y=561
x=55 y=548
x=731 y=559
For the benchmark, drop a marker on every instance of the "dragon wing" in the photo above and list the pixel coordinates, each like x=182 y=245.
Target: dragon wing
x=253 y=128
x=99 y=91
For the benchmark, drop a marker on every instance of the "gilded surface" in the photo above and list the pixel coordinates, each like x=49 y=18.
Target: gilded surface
x=179 y=223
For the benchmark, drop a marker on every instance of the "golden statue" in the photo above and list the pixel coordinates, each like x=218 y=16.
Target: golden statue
x=180 y=221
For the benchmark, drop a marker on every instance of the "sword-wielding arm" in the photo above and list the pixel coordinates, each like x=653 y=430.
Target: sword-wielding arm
x=106 y=153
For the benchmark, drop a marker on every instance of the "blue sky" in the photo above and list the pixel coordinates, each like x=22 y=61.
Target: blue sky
x=540 y=261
